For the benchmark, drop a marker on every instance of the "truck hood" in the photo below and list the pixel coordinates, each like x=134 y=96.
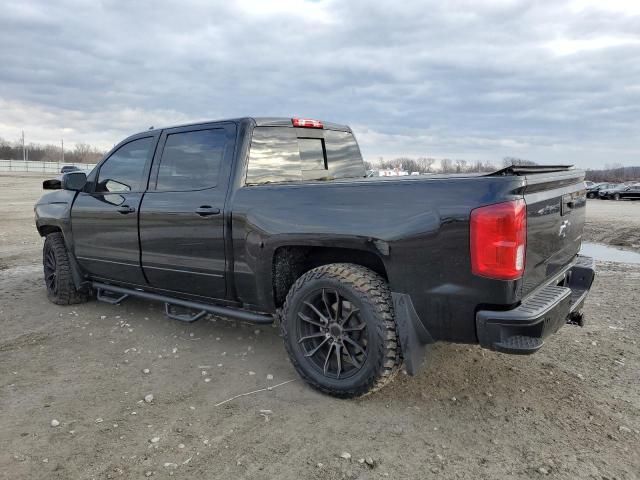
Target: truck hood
x=56 y=196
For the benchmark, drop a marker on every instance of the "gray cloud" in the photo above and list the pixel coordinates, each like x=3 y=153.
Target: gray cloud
x=548 y=81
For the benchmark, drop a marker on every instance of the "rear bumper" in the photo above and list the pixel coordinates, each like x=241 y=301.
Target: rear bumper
x=522 y=330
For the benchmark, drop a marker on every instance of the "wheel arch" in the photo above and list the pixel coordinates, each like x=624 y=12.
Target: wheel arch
x=290 y=262
x=45 y=230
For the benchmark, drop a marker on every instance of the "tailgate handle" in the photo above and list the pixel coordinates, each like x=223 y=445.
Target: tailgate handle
x=567 y=204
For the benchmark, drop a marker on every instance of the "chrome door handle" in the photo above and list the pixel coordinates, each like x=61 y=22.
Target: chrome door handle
x=124 y=209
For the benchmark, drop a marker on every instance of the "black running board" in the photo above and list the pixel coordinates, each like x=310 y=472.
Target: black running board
x=108 y=293
x=183 y=317
x=106 y=297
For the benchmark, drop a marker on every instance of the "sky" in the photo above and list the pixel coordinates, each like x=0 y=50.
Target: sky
x=549 y=81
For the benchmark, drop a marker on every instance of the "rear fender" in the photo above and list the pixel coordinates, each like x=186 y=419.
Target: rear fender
x=348 y=248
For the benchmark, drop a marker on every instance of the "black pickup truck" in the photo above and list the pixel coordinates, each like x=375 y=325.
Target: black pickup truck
x=272 y=219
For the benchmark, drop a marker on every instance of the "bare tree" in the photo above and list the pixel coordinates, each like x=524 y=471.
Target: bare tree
x=461 y=165
x=446 y=165
x=509 y=161
x=425 y=164
x=50 y=153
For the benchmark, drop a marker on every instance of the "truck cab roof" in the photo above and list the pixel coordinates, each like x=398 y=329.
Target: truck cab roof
x=258 y=122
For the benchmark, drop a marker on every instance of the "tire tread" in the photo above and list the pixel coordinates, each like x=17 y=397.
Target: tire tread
x=67 y=293
x=374 y=291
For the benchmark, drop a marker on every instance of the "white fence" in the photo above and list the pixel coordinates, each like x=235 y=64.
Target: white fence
x=40 y=167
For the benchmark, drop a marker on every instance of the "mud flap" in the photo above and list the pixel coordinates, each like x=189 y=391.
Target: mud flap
x=79 y=280
x=414 y=337
x=81 y=284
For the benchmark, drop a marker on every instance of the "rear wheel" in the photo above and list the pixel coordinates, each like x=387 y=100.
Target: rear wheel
x=591 y=195
x=57 y=272
x=616 y=196
x=339 y=330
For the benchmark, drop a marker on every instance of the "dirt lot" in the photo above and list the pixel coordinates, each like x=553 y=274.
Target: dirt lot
x=570 y=411
x=614 y=223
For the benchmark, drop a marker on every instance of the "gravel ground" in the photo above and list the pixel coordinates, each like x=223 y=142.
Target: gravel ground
x=570 y=411
x=614 y=223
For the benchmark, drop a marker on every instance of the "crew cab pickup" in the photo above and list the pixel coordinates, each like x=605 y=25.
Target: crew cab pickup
x=273 y=219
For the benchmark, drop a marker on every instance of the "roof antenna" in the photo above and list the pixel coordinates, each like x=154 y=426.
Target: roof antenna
x=151 y=127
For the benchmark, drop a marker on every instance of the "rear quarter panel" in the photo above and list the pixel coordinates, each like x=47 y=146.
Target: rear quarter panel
x=424 y=221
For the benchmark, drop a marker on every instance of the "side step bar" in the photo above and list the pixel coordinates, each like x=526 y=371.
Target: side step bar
x=104 y=290
x=183 y=317
x=110 y=299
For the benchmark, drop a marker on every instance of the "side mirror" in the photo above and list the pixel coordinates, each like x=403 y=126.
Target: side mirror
x=74 y=181
x=52 y=184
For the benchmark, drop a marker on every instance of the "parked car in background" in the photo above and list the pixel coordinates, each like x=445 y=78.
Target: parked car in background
x=631 y=192
x=69 y=168
x=593 y=191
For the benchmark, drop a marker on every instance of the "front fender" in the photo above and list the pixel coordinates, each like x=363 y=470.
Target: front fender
x=53 y=214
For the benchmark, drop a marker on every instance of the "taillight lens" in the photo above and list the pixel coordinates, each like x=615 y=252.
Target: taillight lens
x=306 y=123
x=499 y=240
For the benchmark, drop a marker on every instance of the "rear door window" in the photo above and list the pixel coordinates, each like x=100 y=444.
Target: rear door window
x=191 y=160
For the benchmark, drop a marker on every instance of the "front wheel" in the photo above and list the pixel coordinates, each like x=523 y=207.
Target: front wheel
x=339 y=330
x=57 y=272
x=616 y=196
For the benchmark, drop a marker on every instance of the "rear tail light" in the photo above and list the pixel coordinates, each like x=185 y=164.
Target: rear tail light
x=498 y=240
x=306 y=123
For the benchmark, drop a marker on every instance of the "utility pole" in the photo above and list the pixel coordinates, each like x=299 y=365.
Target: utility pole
x=62 y=142
x=24 y=152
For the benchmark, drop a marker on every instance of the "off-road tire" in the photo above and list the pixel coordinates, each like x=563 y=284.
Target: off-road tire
x=370 y=292
x=64 y=291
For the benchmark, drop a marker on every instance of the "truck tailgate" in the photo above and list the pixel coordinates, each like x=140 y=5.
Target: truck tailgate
x=556 y=205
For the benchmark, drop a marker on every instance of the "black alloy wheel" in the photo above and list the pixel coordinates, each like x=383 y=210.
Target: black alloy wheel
x=339 y=330
x=50 y=270
x=331 y=333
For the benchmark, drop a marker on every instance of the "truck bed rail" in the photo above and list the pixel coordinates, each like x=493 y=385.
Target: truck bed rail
x=518 y=170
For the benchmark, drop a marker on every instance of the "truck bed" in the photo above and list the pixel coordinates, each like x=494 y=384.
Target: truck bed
x=419 y=227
